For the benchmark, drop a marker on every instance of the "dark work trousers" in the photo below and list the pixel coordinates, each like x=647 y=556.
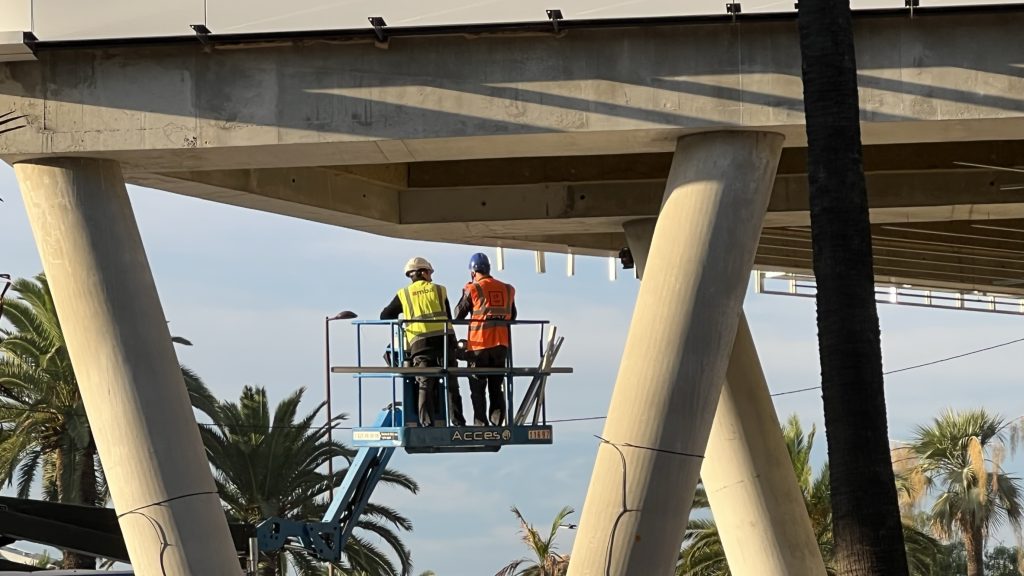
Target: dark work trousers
x=429 y=395
x=487 y=385
x=455 y=413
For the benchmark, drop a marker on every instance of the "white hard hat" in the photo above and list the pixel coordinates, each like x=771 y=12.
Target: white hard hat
x=418 y=263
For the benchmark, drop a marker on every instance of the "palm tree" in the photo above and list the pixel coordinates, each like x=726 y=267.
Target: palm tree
x=544 y=561
x=703 y=555
x=44 y=431
x=957 y=461
x=271 y=466
x=866 y=518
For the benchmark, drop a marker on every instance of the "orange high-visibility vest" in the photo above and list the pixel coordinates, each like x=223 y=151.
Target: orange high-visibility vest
x=492 y=300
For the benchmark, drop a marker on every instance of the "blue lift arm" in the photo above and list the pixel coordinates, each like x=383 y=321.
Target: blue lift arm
x=326 y=539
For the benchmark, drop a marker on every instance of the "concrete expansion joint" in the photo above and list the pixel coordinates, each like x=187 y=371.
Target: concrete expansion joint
x=734 y=131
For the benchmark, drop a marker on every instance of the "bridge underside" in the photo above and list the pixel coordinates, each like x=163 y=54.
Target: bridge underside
x=551 y=141
x=935 y=223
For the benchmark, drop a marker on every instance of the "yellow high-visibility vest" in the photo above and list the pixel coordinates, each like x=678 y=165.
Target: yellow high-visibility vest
x=423 y=301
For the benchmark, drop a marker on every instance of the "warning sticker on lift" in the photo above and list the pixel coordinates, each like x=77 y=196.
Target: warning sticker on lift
x=539 y=435
x=375 y=435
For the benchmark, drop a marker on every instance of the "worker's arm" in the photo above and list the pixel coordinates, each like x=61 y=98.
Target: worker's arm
x=392 y=310
x=464 y=307
x=447 y=308
x=514 y=311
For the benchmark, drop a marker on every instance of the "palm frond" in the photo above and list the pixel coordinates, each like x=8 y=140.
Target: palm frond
x=46 y=436
x=269 y=461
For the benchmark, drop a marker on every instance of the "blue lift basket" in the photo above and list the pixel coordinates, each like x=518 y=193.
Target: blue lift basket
x=394 y=428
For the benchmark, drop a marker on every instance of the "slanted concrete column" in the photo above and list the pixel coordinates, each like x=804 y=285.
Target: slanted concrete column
x=127 y=370
x=747 y=473
x=676 y=353
x=749 y=479
x=639 y=234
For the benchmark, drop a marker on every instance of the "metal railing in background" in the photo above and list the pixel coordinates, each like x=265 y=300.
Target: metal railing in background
x=804 y=285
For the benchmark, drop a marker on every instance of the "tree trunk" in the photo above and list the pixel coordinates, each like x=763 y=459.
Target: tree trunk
x=84 y=473
x=88 y=487
x=866 y=519
x=65 y=462
x=975 y=552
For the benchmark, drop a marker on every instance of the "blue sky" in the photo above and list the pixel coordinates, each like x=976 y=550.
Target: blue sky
x=250 y=290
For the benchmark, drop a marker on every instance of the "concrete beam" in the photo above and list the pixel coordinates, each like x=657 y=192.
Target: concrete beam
x=372 y=198
x=893 y=197
x=608 y=91
x=980 y=252
x=632 y=167
x=985 y=255
x=338 y=197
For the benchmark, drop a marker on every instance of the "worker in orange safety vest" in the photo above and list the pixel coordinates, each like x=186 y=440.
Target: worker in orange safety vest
x=489 y=303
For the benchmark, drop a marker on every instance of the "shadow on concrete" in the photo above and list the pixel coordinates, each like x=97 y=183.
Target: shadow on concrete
x=689 y=77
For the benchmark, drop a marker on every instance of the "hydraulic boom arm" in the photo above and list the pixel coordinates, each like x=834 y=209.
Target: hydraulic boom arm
x=326 y=539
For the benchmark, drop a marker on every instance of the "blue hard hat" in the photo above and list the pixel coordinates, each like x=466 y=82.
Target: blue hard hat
x=479 y=263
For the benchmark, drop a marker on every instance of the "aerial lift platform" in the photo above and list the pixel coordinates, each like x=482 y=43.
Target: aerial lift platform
x=395 y=428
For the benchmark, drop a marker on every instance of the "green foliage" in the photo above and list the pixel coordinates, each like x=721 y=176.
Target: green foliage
x=270 y=465
x=1002 y=561
x=44 y=432
x=958 y=460
x=543 y=560
x=951 y=560
x=44 y=428
x=702 y=553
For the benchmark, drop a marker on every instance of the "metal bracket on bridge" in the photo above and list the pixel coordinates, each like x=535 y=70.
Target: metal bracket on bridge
x=555 y=16
x=379 y=28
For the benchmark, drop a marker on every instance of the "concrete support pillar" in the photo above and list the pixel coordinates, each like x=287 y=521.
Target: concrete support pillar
x=127 y=370
x=676 y=353
x=748 y=476
x=638 y=237
x=747 y=473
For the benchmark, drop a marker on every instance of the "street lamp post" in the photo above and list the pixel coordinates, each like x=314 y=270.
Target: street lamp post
x=6 y=278
x=343 y=315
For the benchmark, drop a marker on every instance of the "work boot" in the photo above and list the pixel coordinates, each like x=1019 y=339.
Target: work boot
x=497 y=417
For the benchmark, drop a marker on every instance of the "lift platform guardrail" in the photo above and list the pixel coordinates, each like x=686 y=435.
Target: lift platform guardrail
x=392 y=428
x=415 y=439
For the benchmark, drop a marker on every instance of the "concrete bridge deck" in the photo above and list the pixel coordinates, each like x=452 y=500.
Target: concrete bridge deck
x=551 y=141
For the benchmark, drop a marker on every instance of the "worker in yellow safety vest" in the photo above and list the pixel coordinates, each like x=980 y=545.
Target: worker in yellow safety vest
x=490 y=304
x=426 y=336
